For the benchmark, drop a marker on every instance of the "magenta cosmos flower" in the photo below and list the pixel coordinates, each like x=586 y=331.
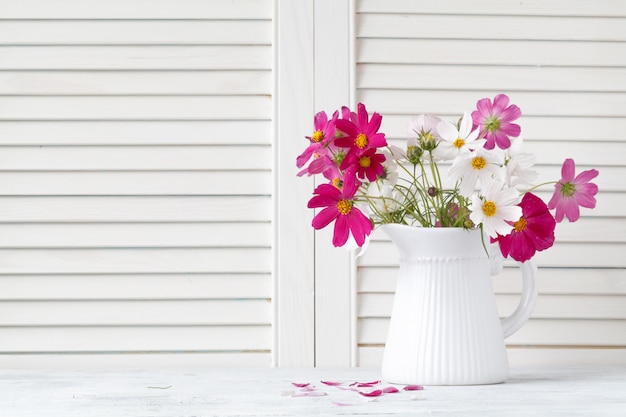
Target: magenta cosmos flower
x=571 y=192
x=339 y=206
x=534 y=231
x=494 y=120
x=368 y=164
x=360 y=135
x=323 y=134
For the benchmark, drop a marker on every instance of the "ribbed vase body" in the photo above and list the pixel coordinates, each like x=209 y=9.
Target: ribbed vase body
x=444 y=328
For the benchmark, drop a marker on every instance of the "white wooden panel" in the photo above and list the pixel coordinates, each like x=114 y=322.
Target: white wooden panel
x=536 y=332
x=605 y=281
x=370 y=357
x=136 y=360
x=509 y=52
x=548 y=306
x=133 y=338
x=135 y=158
x=135 y=287
x=135 y=183
x=532 y=103
x=549 y=127
x=139 y=261
x=190 y=57
x=134 y=313
x=424 y=26
x=135 y=32
x=133 y=107
x=562 y=254
x=123 y=235
x=152 y=132
x=486 y=7
x=135 y=82
x=491 y=78
x=135 y=209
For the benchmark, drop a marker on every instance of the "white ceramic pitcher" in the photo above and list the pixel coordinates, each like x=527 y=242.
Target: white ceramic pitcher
x=445 y=328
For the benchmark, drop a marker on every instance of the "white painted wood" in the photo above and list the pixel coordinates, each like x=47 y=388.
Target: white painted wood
x=176 y=57
x=294 y=237
x=562 y=64
x=135 y=209
x=153 y=132
x=601 y=8
x=135 y=158
x=123 y=235
x=332 y=265
x=144 y=339
x=138 y=260
x=136 y=82
x=563 y=390
x=122 y=9
x=135 y=108
x=135 y=183
x=162 y=286
x=136 y=32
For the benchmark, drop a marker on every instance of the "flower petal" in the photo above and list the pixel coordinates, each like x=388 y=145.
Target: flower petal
x=413 y=388
x=375 y=393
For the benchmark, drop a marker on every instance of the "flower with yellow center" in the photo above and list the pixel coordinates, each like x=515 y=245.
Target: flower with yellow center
x=475 y=169
x=496 y=209
x=457 y=138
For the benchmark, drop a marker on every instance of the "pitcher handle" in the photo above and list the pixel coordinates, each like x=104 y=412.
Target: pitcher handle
x=527 y=301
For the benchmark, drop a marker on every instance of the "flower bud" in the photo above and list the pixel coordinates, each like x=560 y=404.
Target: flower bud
x=427 y=141
x=414 y=154
x=432 y=191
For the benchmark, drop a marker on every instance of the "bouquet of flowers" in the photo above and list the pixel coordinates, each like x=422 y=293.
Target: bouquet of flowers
x=489 y=183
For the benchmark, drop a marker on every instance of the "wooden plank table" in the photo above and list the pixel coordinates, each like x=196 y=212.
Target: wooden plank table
x=551 y=391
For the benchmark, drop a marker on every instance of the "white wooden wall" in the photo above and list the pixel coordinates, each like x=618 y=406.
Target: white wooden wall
x=135 y=183
x=564 y=64
x=149 y=210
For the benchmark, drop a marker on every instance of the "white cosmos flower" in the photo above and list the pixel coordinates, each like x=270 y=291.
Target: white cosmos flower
x=475 y=169
x=456 y=140
x=384 y=197
x=495 y=209
x=519 y=164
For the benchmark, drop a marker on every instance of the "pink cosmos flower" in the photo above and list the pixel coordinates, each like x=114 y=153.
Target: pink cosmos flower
x=360 y=136
x=494 y=120
x=571 y=192
x=323 y=135
x=339 y=206
x=534 y=231
x=368 y=164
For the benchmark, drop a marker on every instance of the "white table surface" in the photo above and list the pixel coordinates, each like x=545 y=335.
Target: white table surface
x=548 y=391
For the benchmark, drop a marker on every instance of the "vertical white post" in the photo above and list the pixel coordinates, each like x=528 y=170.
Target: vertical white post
x=332 y=265
x=294 y=321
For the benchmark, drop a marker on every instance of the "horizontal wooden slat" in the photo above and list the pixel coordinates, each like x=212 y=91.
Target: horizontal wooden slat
x=532 y=103
x=122 y=9
x=562 y=254
x=548 y=306
x=505 y=7
x=189 y=360
x=144 y=235
x=549 y=281
x=135 y=209
x=129 y=107
x=135 y=32
x=134 y=339
x=135 y=82
x=88 y=261
x=535 y=332
x=154 y=132
x=420 y=51
x=134 y=313
x=136 y=183
x=383 y=25
x=371 y=357
x=565 y=129
x=134 y=158
x=135 y=287
x=490 y=78
x=227 y=57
